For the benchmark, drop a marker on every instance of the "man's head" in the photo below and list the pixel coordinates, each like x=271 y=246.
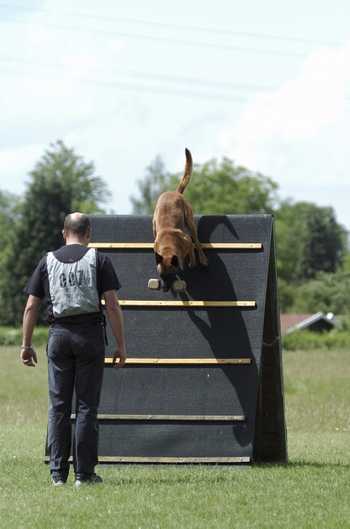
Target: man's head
x=77 y=229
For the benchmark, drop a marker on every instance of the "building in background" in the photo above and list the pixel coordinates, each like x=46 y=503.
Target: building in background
x=318 y=322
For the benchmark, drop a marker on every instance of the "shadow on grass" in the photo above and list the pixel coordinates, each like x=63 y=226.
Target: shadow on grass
x=318 y=464
x=303 y=464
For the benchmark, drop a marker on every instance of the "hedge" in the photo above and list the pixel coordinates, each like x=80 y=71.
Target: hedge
x=13 y=336
x=298 y=340
x=307 y=340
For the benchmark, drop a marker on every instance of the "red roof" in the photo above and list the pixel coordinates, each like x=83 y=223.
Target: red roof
x=289 y=320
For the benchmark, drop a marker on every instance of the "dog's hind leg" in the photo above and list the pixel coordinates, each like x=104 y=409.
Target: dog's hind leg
x=192 y=261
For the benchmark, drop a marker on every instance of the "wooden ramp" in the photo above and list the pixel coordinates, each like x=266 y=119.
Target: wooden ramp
x=203 y=382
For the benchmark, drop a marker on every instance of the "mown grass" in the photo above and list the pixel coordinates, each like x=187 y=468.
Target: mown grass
x=312 y=491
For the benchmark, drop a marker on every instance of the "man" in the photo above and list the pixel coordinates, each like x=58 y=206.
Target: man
x=73 y=279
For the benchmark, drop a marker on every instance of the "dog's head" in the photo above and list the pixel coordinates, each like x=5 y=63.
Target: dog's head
x=171 y=250
x=167 y=262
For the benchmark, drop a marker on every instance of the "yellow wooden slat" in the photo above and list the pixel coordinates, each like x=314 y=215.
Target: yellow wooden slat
x=184 y=361
x=122 y=245
x=150 y=245
x=154 y=417
x=183 y=303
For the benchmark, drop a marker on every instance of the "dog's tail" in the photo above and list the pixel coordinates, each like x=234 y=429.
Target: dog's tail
x=187 y=174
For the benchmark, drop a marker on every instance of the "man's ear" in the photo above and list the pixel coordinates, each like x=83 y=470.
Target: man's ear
x=64 y=235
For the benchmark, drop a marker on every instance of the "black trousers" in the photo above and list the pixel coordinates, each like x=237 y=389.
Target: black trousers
x=75 y=363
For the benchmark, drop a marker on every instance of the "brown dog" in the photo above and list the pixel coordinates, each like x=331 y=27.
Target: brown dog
x=173 y=216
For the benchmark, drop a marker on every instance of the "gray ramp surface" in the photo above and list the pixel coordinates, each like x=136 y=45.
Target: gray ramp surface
x=199 y=412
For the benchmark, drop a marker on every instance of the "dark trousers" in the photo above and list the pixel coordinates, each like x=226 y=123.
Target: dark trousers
x=75 y=363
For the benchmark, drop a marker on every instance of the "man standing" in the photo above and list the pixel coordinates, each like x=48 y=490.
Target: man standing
x=73 y=279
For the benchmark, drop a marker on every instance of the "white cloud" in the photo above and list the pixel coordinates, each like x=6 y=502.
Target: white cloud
x=298 y=134
x=14 y=164
x=44 y=95
x=46 y=88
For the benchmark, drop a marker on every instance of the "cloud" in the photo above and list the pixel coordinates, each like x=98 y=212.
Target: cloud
x=56 y=84
x=299 y=133
x=14 y=164
x=47 y=87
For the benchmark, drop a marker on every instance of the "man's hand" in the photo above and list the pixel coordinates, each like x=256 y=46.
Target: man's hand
x=121 y=354
x=115 y=317
x=28 y=356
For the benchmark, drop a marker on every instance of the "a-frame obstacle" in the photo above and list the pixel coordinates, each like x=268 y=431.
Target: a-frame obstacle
x=203 y=381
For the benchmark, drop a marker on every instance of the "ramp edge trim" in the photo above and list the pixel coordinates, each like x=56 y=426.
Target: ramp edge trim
x=154 y=417
x=183 y=361
x=168 y=460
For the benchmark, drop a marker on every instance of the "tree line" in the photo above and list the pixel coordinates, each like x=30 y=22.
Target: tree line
x=312 y=248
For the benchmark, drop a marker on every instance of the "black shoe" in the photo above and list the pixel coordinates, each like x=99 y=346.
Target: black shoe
x=87 y=479
x=58 y=480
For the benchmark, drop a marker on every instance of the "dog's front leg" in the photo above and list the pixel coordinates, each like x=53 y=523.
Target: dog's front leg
x=193 y=231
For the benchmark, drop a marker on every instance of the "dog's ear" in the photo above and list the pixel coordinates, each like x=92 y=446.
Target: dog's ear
x=159 y=258
x=175 y=261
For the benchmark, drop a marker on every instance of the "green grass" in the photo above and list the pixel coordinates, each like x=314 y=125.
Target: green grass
x=312 y=491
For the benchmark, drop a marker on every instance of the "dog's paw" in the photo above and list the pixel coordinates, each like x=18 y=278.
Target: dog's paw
x=154 y=284
x=179 y=285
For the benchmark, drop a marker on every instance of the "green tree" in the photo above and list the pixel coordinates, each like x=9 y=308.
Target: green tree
x=220 y=187
x=8 y=218
x=309 y=240
x=61 y=182
x=326 y=293
x=157 y=179
x=346 y=262
x=8 y=213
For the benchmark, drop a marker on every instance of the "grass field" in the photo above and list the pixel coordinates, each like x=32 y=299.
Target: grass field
x=312 y=491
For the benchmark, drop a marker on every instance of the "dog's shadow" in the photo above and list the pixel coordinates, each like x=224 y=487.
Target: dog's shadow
x=224 y=328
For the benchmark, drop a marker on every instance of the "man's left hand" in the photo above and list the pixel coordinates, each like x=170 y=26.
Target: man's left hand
x=121 y=354
x=28 y=356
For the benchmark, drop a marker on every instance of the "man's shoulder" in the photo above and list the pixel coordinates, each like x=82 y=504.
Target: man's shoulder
x=102 y=258
x=43 y=261
x=42 y=266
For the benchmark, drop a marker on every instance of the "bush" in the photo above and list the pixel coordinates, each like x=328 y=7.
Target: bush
x=343 y=322
x=326 y=293
x=13 y=336
x=307 y=340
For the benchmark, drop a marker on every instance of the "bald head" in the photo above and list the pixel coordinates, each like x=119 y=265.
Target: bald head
x=76 y=227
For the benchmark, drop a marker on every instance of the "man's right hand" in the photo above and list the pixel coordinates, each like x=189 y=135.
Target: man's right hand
x=121 y=354
x=28 y=356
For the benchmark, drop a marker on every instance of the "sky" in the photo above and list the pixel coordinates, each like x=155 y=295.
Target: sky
x=264 y=83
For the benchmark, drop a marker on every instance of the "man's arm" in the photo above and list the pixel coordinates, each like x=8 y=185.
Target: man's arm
x=30 y=316
x=115 y=317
